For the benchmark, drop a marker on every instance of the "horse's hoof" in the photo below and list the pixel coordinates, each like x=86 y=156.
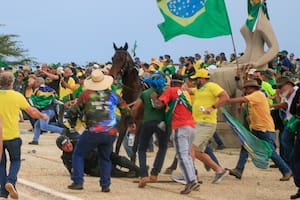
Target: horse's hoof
x=169 y=171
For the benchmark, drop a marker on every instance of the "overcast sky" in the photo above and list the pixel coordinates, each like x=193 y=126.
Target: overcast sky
x=82 y=31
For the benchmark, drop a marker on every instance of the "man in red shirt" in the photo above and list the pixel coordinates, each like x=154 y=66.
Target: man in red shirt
x=183 y=128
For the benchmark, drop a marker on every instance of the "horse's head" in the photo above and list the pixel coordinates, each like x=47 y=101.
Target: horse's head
x=120 y=61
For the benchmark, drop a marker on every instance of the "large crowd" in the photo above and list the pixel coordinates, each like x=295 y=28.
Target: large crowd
x=180 y=105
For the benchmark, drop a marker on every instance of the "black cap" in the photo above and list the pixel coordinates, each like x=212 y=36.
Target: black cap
x=61 y=140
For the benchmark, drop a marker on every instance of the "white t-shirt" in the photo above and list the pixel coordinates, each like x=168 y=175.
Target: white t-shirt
x=289 y=102
x=212 y=66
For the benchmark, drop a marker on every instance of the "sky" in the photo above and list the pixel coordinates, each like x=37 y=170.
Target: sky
x=84 y=31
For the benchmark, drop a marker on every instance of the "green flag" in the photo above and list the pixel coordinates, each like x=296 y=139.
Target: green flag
x=198 y=18
x=254 y=11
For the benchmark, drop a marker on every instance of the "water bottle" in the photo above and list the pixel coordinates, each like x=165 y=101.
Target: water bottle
x=131 y=139
x=202 y=109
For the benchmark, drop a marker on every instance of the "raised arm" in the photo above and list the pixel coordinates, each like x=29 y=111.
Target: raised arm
x=35 y=113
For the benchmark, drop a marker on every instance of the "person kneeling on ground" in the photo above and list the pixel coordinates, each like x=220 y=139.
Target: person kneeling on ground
x=43 y=99
x=91 y=163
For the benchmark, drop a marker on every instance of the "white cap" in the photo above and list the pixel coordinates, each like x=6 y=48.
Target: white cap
x=252 y=71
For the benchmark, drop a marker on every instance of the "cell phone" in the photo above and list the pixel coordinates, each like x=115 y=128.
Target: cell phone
x=202 y=108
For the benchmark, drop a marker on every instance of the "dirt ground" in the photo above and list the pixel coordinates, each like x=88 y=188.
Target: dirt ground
x=42 y=165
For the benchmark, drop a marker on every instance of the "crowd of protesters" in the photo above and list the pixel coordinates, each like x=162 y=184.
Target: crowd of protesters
x=185 y=88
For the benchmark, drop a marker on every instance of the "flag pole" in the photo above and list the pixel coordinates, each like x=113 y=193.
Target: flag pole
x=232 y=41
x=234 y=50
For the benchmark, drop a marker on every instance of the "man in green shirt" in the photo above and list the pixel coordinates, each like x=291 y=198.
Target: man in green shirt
x=168 y=69
x=153 y=122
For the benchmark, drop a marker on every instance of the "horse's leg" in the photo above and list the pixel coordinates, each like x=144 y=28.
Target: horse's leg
x=173 y=166
x=122 y=133
x=136 y=140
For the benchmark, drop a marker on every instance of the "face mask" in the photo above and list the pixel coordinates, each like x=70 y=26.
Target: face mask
x=284 y=94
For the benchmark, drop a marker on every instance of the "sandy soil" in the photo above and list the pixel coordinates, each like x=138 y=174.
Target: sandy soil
x=41 y=164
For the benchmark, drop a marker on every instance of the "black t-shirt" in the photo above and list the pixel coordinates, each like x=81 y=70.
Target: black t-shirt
x=295 y=109
x=91 y=164
x=53 y=84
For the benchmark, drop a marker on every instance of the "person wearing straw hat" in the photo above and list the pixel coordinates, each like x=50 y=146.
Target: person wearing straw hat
x=287 y=90
x=261 y=125
x=97 y=104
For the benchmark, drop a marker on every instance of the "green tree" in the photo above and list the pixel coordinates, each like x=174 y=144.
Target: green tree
x=11 y=49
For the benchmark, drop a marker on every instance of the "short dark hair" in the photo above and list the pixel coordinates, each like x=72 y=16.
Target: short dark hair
x=178 y=79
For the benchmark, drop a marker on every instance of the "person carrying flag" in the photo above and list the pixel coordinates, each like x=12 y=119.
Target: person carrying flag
x=261 y=125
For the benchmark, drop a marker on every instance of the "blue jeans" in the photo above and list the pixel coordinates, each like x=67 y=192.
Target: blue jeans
x=128 y=149
x=270 y=138
x=295 y=161
x=286 y=140
x=183 y=139
x=209 y=151
x=42 y=125
x=147 y=130
x=13 y=148
x=88 y=141
x=217 y=139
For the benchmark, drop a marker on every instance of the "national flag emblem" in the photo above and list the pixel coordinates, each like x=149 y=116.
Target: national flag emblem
x=199 y=18
x=255 y=9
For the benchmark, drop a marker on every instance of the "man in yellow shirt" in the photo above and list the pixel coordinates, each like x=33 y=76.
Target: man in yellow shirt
x=208 y=97
x=199 y=62
x=11 y=102
x=67 y=85
x=1 y=139
x=261 y=125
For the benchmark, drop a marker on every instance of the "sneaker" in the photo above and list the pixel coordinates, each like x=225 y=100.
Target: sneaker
x=65 y=132
x=286 y=177
x=169 y=171
x=295 y=196
x=236 y=173
x=105 y=189
x=34 y=143
x=153 y=178
x=189 y=187
x=274 y=166
x=12 y=191
x=75 y=186
x=143 y=182
x=220 y=175
x=179 y=179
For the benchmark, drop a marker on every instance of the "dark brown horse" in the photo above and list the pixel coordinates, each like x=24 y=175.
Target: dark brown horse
x=124 y=68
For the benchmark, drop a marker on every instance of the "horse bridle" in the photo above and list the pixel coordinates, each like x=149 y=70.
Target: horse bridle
x=126 y=65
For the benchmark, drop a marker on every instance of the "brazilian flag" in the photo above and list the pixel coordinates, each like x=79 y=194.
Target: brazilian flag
x=198 y=18
x=259 y=150
x=255 y=9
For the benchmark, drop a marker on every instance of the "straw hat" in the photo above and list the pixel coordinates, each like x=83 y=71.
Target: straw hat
x=96 y=66
x=251 y=83
x=252 y=71
x=283 y=80
x=201 y=73
x=26 y=68
x=98 y=81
